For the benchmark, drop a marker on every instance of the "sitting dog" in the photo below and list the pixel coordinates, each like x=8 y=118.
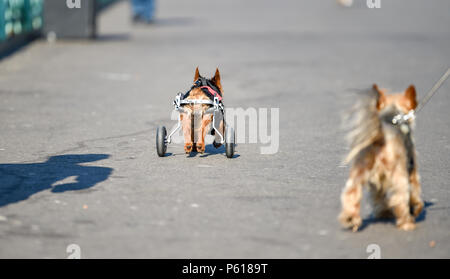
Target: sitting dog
x=384 y=159
x=195 y=123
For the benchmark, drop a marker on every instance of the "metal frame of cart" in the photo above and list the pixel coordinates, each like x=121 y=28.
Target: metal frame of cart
x=228 y=138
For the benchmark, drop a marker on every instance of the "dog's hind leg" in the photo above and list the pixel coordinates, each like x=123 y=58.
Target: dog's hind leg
x=217 y=143
x=351 y=198
x=415 y=201
x=399 y=199
x=219 y=124
x=187 y=132
x=206 y=121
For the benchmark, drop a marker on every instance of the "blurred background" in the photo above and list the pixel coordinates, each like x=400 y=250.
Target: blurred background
x=19 y=17
x=23 y=20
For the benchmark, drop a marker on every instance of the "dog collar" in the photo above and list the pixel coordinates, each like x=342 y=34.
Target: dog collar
x=403 y=118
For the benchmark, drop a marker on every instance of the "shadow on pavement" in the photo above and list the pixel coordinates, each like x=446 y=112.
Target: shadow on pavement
x=209 y=150
x=19 y=181
x=113 y=37
x=174 y=21
x=372 y=220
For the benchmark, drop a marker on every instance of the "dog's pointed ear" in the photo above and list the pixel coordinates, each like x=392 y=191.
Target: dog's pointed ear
x=410 y=95
x=197 y=74
x=216 y=79
x=381 y=99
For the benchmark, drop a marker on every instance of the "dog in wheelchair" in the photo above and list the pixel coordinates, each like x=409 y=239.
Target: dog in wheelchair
x=201 y=111
x=195 y=122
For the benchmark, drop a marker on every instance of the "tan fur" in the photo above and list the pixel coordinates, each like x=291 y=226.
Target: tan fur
x=380 y=158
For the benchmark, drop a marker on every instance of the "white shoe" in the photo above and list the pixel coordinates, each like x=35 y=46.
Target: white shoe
x=345 y=3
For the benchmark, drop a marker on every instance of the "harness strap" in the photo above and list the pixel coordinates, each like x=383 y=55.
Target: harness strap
x=207 y=87
x=195 y=101
x=211 y=91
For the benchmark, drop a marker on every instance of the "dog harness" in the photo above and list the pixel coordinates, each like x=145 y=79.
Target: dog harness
x=210 y=89
x=401 y=122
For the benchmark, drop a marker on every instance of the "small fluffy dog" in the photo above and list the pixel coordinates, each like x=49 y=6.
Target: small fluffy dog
x=384 y=159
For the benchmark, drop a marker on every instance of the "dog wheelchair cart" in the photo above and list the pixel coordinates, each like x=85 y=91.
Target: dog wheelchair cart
x=216 y=109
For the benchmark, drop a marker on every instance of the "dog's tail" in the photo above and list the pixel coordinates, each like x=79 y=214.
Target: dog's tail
x=364 y=124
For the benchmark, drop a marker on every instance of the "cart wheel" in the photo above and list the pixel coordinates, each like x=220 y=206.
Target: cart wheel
x=161 y=145
x=229 y=141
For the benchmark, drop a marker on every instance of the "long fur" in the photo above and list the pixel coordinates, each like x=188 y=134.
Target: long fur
x=382 y=157
x=365 y=125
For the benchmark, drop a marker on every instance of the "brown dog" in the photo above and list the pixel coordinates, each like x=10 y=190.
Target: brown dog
x=195 y=123
x=384 y=159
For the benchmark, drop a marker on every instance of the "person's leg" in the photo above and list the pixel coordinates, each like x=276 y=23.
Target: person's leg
x=149 y=10
x=138 y=7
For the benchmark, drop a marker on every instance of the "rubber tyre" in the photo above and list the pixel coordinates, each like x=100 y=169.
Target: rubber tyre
x=161 y=146
x=229 y=142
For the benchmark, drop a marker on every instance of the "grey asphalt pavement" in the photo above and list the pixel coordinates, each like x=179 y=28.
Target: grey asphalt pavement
x=77 y=125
